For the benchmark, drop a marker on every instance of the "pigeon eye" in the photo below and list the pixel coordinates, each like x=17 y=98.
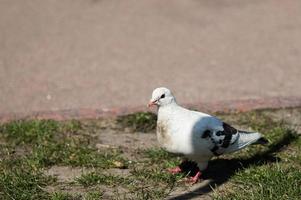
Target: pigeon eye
x=162 y=96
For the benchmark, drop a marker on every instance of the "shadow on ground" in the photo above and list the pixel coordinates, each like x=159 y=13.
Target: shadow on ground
x=221 y=170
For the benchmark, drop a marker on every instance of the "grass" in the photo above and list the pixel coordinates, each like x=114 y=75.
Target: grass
x=49 y=143
x=138 y=122
x=77 y=155
x=20 y=183
x=29 y=148
x=155 y=154
x=95 y=178
x=266 y=182
x=95 y=195
x=44 y=144
x=61 y=196
x=92 y=195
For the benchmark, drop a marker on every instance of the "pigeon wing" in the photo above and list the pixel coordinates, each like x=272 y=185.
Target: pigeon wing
x=221 y=137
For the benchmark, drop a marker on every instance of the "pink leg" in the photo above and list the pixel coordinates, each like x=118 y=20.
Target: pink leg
x=195 y=179
x=175 y=170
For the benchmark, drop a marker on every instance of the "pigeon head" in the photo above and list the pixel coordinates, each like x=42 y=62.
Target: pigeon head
x=161 y=97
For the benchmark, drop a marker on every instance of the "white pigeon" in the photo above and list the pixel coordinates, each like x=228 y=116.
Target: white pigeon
x=196 y=135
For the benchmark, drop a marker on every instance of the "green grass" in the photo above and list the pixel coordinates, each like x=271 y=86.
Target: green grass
x=29 y=132
x=22 y=182
x=158 y=155
x=93 y=195
x=49 y=143
x=140 y=121
x=29 y=148
x=42 y=144
x=266 y=182
x=77 y=155
x=61 y=196
x=156 y=175
x=155 y=154
x=95 y=178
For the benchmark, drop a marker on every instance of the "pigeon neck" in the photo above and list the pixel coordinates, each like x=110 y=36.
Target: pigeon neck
x=170 y=105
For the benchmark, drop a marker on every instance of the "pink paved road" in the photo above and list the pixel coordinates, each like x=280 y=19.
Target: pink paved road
x=98 y=54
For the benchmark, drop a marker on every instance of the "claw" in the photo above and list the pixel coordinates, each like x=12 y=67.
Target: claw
x=175 y=170
x=193 y=180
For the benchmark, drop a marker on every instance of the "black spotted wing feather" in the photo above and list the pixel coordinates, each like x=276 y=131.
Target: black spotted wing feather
x=221 y=139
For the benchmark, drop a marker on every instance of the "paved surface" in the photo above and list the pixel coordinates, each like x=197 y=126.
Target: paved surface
x=95 y=54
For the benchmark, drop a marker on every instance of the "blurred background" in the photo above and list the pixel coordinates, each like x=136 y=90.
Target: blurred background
x=74 y=54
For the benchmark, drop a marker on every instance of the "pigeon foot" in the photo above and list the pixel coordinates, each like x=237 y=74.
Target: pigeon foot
x=195 y=179
x=175 y=170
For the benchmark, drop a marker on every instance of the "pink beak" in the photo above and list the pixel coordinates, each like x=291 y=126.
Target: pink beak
x=151 y=103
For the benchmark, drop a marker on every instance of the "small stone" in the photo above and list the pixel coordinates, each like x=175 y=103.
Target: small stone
x=118 y=164
x=101 y=146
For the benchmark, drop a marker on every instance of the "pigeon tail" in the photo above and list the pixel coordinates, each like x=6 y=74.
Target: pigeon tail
x=245 y=139
x=262 y=141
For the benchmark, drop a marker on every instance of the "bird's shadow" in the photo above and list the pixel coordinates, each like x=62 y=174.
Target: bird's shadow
x=221 y=170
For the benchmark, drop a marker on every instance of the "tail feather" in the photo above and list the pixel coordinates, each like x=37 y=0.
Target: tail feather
x=247 y=138
x=262 y=141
